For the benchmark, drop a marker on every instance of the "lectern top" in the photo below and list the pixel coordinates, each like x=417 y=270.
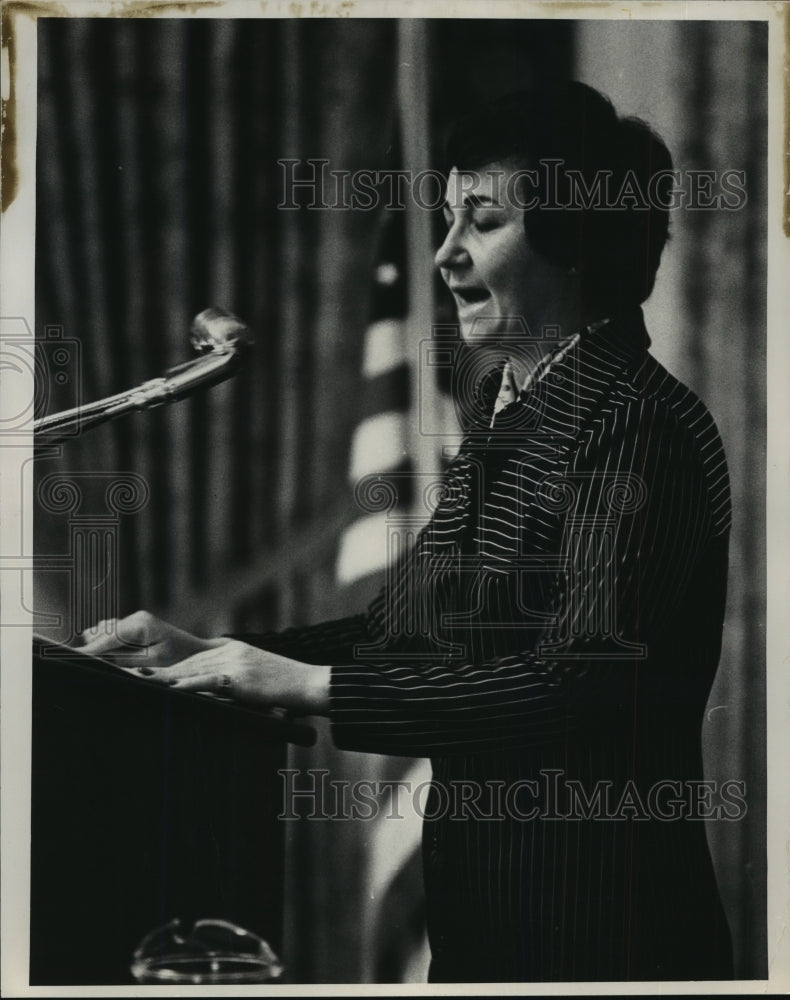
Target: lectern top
x=276 y=723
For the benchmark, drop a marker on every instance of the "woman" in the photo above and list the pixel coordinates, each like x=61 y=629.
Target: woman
x=573 y=579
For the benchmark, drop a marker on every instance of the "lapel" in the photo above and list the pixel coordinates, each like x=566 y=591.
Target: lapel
x=558 y=406
x=532 y=437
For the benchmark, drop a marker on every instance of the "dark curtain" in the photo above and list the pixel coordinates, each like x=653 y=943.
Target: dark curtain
x=158 y=187
x=158 y=194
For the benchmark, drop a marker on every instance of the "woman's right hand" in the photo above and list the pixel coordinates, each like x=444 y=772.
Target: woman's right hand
x=143 y=641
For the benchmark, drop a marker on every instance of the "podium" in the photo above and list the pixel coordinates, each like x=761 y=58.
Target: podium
x=147 y=805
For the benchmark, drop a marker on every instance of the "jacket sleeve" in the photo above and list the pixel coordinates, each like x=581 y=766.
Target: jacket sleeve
x=628 y=574
x=328 y=642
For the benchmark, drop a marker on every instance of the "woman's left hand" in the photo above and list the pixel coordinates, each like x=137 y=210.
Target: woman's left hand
x=250 y=675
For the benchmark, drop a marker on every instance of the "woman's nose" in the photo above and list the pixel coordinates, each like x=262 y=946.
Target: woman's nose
x=451 y=252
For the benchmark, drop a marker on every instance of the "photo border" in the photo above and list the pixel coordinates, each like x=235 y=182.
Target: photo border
x=17 y=250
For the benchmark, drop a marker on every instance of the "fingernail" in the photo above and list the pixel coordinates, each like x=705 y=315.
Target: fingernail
x=145 y=670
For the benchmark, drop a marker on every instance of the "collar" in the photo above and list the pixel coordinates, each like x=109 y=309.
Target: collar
x=584 y=363
x=518 y=378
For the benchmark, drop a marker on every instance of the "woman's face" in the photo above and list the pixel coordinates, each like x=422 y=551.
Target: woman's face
x=499 y=283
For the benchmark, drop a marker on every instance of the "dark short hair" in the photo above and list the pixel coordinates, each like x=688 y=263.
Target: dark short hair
x=617 y=250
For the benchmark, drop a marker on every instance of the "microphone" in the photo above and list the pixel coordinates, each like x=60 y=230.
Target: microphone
x=221 y=338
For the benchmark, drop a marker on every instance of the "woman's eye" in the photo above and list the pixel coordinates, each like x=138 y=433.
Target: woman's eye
x=484 y=221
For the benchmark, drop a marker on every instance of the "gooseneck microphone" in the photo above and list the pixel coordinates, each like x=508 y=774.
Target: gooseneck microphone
x=221 y=340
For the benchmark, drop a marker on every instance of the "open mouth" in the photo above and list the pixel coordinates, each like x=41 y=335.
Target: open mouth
x=471 y=296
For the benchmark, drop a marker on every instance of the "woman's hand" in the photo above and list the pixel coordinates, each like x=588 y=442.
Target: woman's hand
x=252 y=676
x=167 y=655
x=143 y=641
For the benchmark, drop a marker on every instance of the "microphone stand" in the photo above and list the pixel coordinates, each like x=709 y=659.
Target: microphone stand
x=221 y=339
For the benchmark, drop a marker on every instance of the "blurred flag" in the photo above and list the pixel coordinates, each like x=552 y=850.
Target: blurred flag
x=380 y=443
x=393 y=919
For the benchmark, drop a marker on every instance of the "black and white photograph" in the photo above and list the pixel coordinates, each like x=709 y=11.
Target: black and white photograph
x=395 y=494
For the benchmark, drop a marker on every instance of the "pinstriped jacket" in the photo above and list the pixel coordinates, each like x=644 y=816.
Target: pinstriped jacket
x=569 y=597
